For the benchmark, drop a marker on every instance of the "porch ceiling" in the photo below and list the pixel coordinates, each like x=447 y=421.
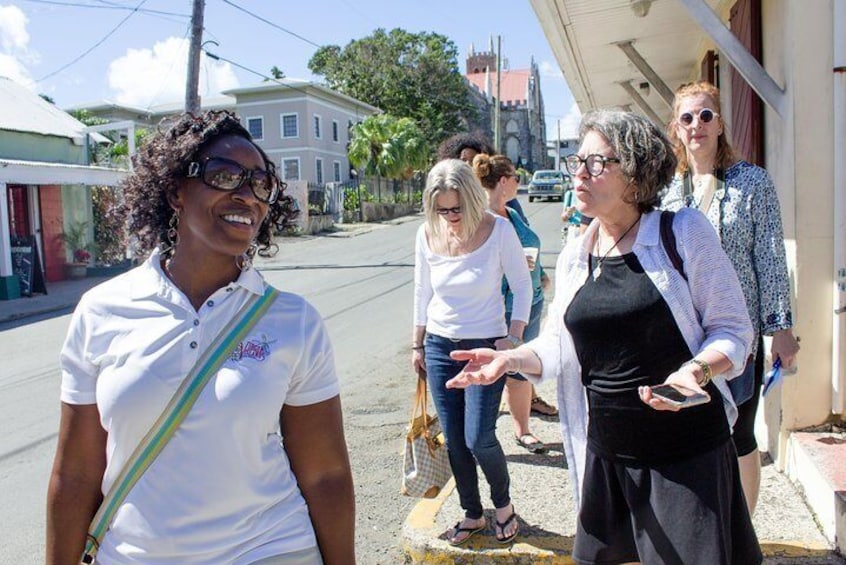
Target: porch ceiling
x=584 y=34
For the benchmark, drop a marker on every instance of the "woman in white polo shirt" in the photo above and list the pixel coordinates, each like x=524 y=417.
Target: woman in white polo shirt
x=258 y=471
x=462 y=252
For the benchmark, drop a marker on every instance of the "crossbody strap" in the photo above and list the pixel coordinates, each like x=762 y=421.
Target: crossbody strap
x=668 y=240
x=173 y=415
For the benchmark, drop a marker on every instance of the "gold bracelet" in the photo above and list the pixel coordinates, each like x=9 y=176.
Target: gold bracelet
x=706 y=370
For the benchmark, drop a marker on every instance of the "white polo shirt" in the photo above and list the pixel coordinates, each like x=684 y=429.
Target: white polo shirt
x=222 y=490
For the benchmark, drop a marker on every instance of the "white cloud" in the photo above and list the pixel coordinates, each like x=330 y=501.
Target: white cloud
x=570 y=123
x=13 y=33
x=14 y=39
x=143 y=77
x=12 y=68
x=551 y=70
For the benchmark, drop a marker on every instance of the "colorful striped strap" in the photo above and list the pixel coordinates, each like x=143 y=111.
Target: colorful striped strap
x=173 y=415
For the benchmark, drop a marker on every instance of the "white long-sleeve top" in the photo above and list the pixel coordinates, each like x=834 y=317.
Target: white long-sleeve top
x=461 y=297
x=709 y=310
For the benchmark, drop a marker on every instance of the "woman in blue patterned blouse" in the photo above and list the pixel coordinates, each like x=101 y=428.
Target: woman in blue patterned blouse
x=741 y=203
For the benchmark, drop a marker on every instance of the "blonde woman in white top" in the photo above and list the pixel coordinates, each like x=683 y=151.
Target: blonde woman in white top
x=462 y=252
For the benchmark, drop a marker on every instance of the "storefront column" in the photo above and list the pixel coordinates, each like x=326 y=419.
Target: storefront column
x=9 y=284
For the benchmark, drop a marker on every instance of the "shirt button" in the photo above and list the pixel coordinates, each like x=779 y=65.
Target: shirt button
x=193 y=345
x=229 y=289
x=210 y=303
x=196 y=322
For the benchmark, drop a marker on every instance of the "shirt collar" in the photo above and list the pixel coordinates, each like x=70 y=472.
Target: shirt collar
x=149 y=279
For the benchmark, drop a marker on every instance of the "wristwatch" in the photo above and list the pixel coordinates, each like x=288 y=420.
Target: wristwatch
x=515 y=341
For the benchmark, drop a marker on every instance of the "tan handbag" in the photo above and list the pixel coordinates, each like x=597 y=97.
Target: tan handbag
x=425 y=462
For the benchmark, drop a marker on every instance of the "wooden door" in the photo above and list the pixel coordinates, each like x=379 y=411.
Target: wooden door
x=747 y=109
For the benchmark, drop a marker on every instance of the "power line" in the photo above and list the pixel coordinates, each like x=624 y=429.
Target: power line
x=107 y=6
x=249 y=70
x=93 y=47
x=268 y=22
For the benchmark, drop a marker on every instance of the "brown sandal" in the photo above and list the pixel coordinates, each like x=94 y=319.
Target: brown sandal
x=531 y=443
x=542 y=407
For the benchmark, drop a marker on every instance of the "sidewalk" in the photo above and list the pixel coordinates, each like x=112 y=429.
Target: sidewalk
x=62 y=295
x=541 y=492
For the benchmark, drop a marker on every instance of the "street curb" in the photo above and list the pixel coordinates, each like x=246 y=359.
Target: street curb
x=424 y=544
x=38 y=312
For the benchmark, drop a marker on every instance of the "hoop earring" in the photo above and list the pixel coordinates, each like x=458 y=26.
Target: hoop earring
x=172 y=235
x=244 y=261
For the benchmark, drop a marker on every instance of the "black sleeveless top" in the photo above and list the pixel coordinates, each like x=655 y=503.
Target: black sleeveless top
x=625 y=336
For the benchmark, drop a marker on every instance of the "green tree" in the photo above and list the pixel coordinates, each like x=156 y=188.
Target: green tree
x=276 y=73
x=409 y=75
x=388 y=147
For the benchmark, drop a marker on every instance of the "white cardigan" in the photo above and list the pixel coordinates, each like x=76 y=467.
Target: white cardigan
x=709 y=310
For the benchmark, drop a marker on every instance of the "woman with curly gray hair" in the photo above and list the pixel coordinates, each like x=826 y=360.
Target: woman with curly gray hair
x=257 y=471
x=657 y=478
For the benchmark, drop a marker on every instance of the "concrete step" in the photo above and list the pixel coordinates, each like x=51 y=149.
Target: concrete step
x=816 y=461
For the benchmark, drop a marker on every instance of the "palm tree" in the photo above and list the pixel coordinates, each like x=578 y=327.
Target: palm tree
x=389 y=147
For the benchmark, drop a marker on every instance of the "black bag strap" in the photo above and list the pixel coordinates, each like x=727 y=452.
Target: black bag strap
x=668 y=240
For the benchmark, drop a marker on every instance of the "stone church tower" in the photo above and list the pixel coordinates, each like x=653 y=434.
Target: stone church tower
x=522 y=120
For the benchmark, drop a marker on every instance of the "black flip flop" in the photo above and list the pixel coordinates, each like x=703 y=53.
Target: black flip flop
x=534 y=445
x=503 y=525
x=457 y=529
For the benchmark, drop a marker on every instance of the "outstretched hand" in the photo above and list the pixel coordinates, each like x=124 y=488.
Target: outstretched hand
x=484 y=367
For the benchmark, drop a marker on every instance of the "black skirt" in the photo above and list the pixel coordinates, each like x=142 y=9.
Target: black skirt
x=685 y=512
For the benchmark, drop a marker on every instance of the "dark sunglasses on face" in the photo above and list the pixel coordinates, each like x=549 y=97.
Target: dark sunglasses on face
x=445 y=211
x=227 y=175
x=705 y=116
x=594 y=163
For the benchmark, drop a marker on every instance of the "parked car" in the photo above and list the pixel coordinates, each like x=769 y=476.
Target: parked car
x=549 y=184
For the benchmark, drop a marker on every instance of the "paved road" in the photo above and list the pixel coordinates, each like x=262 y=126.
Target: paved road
x=361 y=285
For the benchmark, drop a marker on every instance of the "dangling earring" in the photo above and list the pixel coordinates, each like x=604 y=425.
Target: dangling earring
x=172 y=235
x=244 y=261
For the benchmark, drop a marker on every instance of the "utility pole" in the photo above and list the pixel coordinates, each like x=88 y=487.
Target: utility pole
x=192 y=95
x=497 y=148
x=558 y=147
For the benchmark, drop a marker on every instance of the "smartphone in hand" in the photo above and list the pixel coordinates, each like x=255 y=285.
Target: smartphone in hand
x=677 y=395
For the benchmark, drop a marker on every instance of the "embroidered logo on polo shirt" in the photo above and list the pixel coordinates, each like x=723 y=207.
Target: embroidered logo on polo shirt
x=258 y=349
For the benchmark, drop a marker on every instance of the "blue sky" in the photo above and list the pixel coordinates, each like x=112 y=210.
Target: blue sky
x=142 y=60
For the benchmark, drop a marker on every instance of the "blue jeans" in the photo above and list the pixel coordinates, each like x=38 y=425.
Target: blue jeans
x=468 y=418
x=531 y=330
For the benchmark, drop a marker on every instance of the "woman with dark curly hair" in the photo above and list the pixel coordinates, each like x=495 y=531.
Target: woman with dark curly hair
x=258 y=471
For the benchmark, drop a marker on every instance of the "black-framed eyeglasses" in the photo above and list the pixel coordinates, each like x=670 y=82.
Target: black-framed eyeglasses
x=705 y=116
x=227 y=175
x=594 y=163
x=514 y=176
x=446 y=211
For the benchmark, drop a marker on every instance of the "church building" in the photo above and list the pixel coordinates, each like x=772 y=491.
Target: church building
x=522 y=121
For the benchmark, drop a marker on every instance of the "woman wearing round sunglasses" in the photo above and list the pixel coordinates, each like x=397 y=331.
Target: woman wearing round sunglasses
x=462 y=252
x=741 y=203
x=226 y=488
x=655 y=483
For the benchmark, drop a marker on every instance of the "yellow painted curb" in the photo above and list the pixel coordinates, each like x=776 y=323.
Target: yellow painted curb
x=548 y=550
x=422 y=516
x=794 y=549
